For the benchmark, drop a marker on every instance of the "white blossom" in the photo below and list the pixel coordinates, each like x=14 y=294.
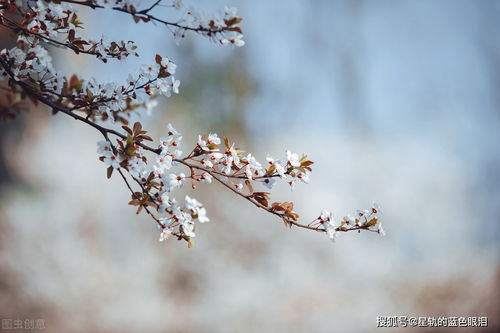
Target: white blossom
x=202 y=215
x=192 y=203
x=165 y=234
x=175 y=181
x=150 y=71
x=104 y=148
x=113 y=161
x=292 y=158
x=269 y=182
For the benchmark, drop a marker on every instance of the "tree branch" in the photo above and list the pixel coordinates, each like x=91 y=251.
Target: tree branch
x=106 y=131
x=145 y=14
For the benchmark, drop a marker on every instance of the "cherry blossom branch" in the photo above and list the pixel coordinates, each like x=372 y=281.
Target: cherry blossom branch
x=30 y=91
x=105 y=131
x=247 y=197
x=268 y=209
x=210 y=30
x=28 y=71
x=15 y=27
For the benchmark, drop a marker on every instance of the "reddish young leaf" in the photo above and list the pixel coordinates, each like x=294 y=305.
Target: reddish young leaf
x=110 y=171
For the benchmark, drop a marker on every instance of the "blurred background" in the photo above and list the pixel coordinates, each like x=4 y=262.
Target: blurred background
x=396 y=102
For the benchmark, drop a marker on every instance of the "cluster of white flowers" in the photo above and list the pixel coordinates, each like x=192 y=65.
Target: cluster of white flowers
x=59 y=24
x=211 y=158
x=363 y=219
x=30 y=62
x=236 y=167
x=116 y=100
x=222 y=27
x=183 y=217
x=229 y=165
x=160 y=182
